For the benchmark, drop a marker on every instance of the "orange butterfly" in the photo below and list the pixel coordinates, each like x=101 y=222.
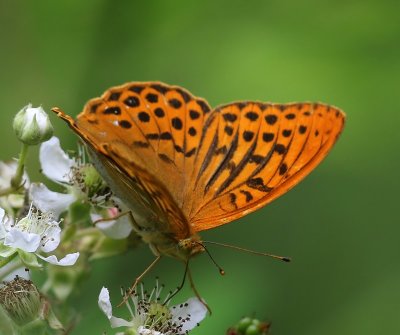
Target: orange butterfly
x=182 y=167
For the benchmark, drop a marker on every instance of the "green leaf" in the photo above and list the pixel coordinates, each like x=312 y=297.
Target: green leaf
x=63 y=281
x=47 y=314
x=79 y=213
x=6 y=325
x=109 y=247
x=37 y=327
x=6 y=251
x=53 y=321
x=29 y=259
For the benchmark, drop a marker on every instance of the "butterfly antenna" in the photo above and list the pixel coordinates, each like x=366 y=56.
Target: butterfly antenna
x=221 y=270
x=281 y=258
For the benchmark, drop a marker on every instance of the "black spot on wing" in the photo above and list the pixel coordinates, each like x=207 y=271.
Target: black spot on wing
x=112 y=110
x=271 y=119
x=136 y=88
x=93 y=108
x=252 y=116
x=151 y=97
x=247 y=194
x=175 y=103
x=144 y=117
x=232 y=197
x=132 y=101
x=159 y=112
x=203 y=105
x=125 y=124
x=186 y=96
x=229 y=117
x=114 y=96
x=141 y=144
x=194 y=115
x=160 y=88
x=258 y=184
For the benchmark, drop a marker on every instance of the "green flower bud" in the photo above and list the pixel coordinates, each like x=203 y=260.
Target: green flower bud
x=243 y=324
x=249 y=326
x=32 y=125
x=252 y=330
x=21 y=300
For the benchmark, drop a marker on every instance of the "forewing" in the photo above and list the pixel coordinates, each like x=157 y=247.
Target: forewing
x=150 y=132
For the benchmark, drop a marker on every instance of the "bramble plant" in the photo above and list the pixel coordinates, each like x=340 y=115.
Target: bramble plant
x=60 y=233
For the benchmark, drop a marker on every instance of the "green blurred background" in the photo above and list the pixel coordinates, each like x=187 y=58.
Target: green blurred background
x=340 y=225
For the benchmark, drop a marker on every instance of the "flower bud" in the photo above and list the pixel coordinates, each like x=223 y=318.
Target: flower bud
x=249 y=326
x=32 y=125
x=21 y=300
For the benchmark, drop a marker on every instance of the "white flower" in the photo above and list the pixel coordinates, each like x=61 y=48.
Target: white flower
x=32 y=125
x=12 y=201
x=150 y=316
x=82 y=182
x=118 y=228
x=36 y=233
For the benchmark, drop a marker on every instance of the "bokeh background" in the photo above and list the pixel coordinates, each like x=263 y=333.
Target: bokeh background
x=340 y=225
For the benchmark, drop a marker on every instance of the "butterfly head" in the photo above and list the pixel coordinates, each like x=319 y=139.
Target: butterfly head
x=183 y=249
x=191 y=246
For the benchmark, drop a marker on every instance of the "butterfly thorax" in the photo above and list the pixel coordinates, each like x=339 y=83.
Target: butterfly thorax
x=165 y=244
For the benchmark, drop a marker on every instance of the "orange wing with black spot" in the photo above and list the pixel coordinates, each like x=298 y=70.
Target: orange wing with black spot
x=198 y=167
x=253 y=153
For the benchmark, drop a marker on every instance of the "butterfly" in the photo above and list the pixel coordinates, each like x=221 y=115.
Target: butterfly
x=183 y=167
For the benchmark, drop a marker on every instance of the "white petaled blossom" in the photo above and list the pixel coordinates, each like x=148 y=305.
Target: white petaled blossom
x=8 y=169
x=82 y=182
x=117 y=228
x=32 y=125
x=36 y=233
x=151 y=316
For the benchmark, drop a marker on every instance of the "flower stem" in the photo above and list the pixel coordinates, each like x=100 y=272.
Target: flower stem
x=17 y=180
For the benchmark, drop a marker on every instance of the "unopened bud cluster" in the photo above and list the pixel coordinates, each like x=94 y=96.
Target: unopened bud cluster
x=249 y=326
x=21 y=300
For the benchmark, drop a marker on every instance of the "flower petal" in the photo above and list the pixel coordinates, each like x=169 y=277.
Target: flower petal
x=12 y=270
x=105 y=305
x=67 y=260
x=55 y=163
x=2 y=214
x=49 y=201
x=8 y=169
x=193 y=309
x=23 y=240
x=116 y=229
x=52 y=240
x=145 y=331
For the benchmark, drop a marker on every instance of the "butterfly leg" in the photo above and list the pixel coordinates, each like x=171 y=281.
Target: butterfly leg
x=196 y=292
x=181 y=285
x=113 y=218
x=136 y=228
x=138 y=279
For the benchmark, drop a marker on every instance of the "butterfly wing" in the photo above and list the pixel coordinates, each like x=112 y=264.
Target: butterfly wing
x=149 y=132
x=256 y=152
x=198 y=168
